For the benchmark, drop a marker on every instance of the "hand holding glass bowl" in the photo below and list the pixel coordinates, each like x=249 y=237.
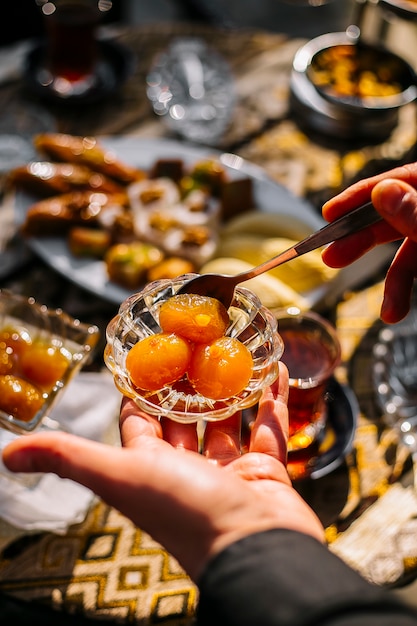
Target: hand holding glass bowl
x=249 y=322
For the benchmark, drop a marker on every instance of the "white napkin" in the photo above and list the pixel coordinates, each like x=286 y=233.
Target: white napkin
x=88 y=407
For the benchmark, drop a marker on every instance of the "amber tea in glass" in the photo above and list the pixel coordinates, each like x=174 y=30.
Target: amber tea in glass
x=311 y=354
x=71 y=50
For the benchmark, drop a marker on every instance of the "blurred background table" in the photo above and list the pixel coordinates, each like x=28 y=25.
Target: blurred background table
x=104 y=568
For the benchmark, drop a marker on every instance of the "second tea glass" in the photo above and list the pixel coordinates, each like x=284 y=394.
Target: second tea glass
x=311 y=353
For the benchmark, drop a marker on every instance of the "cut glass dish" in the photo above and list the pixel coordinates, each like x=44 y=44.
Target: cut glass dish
x=138 y=317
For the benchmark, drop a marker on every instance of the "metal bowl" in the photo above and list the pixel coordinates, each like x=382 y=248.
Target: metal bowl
x=405 y=9
x=350 y=115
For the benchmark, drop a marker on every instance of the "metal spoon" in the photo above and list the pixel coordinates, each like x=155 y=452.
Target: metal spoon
x=222 y=287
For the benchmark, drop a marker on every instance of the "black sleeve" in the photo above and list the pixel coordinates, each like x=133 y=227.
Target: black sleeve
x=281 y=577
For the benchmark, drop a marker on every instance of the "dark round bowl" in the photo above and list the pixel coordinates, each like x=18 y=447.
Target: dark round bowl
x=115 y=65
x=406 y=9
x=342 y=108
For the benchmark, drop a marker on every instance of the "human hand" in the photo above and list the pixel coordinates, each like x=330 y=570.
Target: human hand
x=193 y=504
x=394 y=196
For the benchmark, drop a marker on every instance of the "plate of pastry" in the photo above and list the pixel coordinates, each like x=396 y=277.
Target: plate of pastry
x=113 y=213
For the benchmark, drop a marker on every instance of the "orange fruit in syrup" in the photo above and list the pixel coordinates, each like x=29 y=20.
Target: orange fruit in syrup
x=19 y=397
x=43 y=364
x=221 y=369
x=158 y=361
x=7 y=360
x=197 y=318
x=14 y=340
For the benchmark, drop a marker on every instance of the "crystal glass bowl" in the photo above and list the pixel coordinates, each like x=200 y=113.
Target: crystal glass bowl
x=250 y=322
x=395 y=373
x=191 y=87
x=41 y=349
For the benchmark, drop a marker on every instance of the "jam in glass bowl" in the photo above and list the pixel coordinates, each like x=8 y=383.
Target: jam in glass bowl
x=41 y=350
x=249 y=322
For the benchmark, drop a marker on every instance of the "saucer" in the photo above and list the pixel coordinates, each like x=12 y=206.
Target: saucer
x=336 y=441
x=114 y=65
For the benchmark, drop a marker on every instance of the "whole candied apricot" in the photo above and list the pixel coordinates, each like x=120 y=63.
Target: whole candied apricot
x=14 y=342
x=19 y=397
x=43 y=364
x=221 y=369
x=158 y=361
x=198 y=318
x=7 y=361
x=14 y=339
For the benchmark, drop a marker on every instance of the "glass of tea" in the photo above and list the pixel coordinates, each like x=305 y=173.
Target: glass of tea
x=71 y=49
x=311 y=353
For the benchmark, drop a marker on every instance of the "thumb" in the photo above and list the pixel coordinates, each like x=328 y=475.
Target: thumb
x=396 y=201
x=82 y=460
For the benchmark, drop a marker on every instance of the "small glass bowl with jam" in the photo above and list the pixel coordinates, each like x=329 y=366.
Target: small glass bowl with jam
x=185 y=358
x=41 y=349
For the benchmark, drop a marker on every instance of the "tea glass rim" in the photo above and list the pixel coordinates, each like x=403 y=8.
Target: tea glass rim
x=296 y=313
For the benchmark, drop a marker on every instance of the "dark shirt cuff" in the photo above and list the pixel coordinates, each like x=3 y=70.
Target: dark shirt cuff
x=281 y=577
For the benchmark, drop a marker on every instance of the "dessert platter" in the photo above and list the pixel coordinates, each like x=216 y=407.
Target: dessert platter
x=252 y=217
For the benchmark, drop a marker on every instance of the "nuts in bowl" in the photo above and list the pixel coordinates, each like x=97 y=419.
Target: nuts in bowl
x=358 y=74
x=350 y=89
x=186 y=357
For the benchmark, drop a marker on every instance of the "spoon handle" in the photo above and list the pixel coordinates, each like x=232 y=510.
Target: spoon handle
x=350 y=223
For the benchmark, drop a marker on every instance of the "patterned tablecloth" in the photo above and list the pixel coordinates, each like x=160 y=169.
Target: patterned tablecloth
x=104 y=567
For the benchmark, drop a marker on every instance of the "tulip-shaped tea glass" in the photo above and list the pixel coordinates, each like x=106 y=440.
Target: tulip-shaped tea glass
x=249 y=322
x=312 y=352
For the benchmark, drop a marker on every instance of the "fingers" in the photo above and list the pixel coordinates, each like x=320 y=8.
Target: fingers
x=270 y=429
x=66 y=455
x=269 y=434
x=396 y=201
x=360 y=192
x=135 y=423
x=221 y=442
x=399 y=283
x=180 y=435
x=347 y=250
x=267 y=454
